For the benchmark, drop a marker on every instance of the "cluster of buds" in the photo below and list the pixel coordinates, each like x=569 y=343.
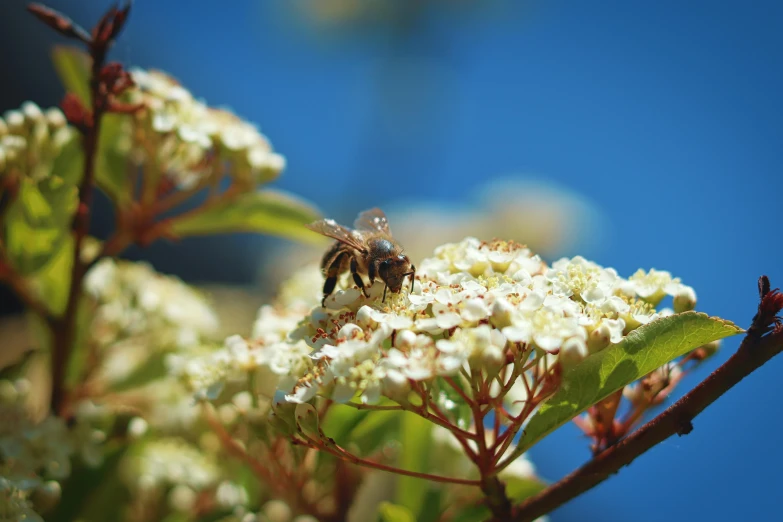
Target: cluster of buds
x=139 y=312
x=31 y=140
x=36 y=453
x=192 y=142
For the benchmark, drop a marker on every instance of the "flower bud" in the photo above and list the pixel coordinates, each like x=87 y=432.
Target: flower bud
x=182 y=498
x=23 y=387
x=599 y=338
x=55 y=118
x=137 y=427
x=15 y=122
x=501 y=313
x=573 y=351
x=14 y=146
x=684 y=299
x=47 y=495
x=277 y=511
x=32 y=112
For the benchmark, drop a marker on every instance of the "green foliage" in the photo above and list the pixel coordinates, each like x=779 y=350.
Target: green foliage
x=93 y=494
x=642 y=351
x=152 y=369
x=388 y=512
x=265 y=212
x=37 y=222
x=362 y=428
x=415 y=443
x=519 y=488
x=73 y=67
x=111 y=161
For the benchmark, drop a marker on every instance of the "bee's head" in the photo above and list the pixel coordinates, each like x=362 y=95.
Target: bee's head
x=393 y=271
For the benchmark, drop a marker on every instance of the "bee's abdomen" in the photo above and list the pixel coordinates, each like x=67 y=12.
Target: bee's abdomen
x=330 y=255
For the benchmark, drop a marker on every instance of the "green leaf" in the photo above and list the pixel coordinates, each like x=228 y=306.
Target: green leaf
x=73 y=67
x=388 y=512
x=363 y=428
x=265 y=212
x=37 y=223
x=53 y=280
x=111 y=164
x=520 y=488
x=431 y=509
x=415 y=442
x=639 y=353
x=152 y=369
x=89 y=494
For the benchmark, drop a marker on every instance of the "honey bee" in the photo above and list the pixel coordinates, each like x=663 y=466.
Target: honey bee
x=368 y=249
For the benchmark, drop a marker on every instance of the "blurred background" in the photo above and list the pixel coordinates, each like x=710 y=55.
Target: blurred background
x=636 y=134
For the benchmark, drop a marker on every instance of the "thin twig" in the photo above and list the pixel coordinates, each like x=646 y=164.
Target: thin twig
x=339 y=452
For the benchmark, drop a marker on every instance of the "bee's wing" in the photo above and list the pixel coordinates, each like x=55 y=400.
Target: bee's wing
x=330 y=228
x=373 y=220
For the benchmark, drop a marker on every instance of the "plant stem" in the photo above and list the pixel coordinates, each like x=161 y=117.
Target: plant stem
x=752 y=354
x=350 y=457
x=64 y=329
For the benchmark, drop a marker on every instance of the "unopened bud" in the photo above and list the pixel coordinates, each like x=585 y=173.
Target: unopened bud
x=599 y=338
x=47 y=496
x=32 y=112
x=573 y=351
x=15 y=122
x=14 y=146
x=685 y=299
x=706 y=350
x=55 y=118
x=23 y=387
x=501 y=313
x=182 y=498
x=137 y=427
x=277 y=511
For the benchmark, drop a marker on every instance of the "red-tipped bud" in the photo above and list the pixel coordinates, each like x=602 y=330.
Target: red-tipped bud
x=59 y=22
x=771 y=304
x=75 y=112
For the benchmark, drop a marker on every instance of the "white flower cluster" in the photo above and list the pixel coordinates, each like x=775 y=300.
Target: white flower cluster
x=139 y=311
x=475 y=305
x=181 y=471
x=36 y=453
x=15 y=501
x=188 y=133
x=31 y=140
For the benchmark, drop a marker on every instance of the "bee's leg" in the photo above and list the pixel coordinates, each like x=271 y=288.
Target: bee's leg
x=357 y=278
x=331 y=275
x=384 y=293
x=413 y=277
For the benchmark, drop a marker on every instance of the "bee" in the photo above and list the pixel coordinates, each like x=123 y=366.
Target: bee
x=367 y=249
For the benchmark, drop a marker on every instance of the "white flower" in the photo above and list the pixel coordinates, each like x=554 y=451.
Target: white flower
x=582 y=279
x=476 y=306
